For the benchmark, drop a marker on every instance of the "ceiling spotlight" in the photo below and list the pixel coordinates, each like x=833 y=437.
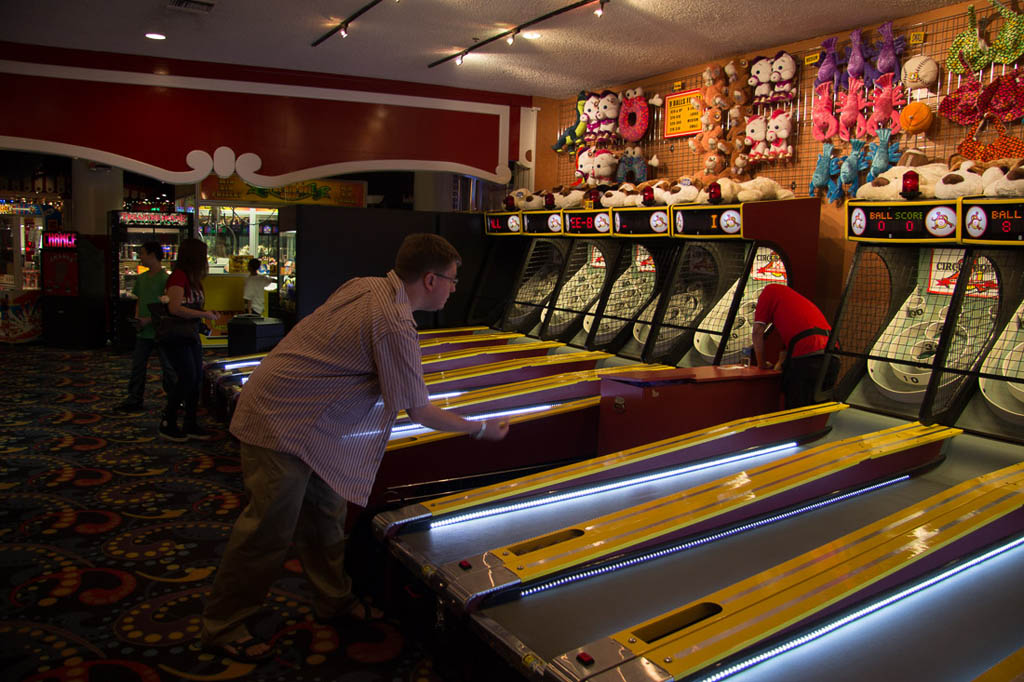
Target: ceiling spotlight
x=458 y=60
x=153 y=35
x=531 y=35
x=511 y=38
x=344 y=31
x=600 y=9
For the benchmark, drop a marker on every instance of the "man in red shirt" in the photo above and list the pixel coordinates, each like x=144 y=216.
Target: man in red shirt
x=804 y=333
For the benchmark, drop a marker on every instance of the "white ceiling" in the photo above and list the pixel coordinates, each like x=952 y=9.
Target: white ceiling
x=397 y=40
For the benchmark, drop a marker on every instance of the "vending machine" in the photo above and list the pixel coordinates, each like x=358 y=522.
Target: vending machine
x=74 y=310
x=129 y=230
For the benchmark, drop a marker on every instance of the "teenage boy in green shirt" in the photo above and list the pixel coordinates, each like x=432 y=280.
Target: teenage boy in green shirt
x=149 y=287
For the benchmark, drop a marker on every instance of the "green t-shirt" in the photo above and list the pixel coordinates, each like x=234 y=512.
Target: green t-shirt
x=149 y=287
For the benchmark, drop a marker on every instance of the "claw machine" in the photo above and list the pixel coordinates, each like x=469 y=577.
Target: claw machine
x=21 y=237
x=128 y=230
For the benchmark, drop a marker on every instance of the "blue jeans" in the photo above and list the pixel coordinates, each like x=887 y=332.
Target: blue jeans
x=140 y=361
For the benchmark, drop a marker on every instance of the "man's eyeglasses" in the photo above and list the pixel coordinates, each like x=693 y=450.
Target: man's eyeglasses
x=453 y=280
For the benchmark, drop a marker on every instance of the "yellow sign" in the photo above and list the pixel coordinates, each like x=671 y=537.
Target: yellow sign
x=812 y=58
x=350 y=193
x=682 y=113
x=916 y=37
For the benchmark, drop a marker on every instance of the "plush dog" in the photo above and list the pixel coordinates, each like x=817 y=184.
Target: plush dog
x=961 y=182
x=1010 y=185
x=683 y=191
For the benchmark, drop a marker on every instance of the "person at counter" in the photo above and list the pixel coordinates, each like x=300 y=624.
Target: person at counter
x=804 y=333
x=313 y=421
x=149 y=286
x=255 y=283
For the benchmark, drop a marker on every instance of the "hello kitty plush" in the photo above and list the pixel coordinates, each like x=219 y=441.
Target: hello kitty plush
x=779 y=127
x=783 y=78
x=593 y=117
x=760 y=79
x=608 y=118
x=756 y=134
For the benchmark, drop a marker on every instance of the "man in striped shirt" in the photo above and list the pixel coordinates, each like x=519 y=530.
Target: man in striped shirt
x=313 y=421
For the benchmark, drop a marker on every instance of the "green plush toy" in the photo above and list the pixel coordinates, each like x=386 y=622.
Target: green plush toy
x=572 y=137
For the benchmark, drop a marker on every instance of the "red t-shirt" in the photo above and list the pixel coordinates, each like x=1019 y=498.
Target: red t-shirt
x=791 y=314
x=193 y=298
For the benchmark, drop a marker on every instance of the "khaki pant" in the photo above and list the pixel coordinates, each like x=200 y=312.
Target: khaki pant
x=287 y=502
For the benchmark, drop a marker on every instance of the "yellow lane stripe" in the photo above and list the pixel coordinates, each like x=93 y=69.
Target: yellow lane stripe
x=469 y=352
x=469 y=338
x=564 y=408
x=450 y=331
x=1010 y=669
x=512 y=365
x=735 y=629
x=518 y=486
x=539 y=557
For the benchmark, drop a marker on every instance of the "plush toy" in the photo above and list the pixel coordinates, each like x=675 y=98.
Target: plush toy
x=762 y=188
x=707 y=140
x=961 y=182
x=519 y=196
x=572 y=137
x=779 y=128
x=821 y=178
x=851 y=117
x=852 y=165
x=737 y=71
x=728 y=188
x=888 y=185
x=605 y=163
x=735 y=139
x=882 y=154
x=760 y=79
x=857 y=61
x=592 y=113
x=616 y=196
x=916 y=118
x=756 y=130
x=711 y=168
x=739 y=166
x=569 y=197
x=824 y=124
x=584 y=165
x=886 y=98
x=632 y=165
x=920 y=73
x=683 y=191
x=634 y=115
x=828 y=64
x=713 y=75
x=608 y=115
x=889 y=50
x=534 y=201
x=1010 y=185
x=783 y=78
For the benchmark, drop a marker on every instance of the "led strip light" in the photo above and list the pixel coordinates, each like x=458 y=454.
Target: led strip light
x=238 y=365
x=690 y=544
x=407 y=430
x=593 y=490
x=860 y=613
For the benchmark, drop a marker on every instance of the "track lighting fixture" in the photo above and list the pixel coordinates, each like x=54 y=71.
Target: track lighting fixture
x=510 y=34
x=344 y=31
x=342 y=27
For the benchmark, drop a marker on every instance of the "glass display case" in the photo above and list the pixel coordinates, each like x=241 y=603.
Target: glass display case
x=234 y=234
x=285 y=276
x=20 y=241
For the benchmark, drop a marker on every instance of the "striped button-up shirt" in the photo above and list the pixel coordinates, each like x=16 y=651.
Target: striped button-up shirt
x=331 y=389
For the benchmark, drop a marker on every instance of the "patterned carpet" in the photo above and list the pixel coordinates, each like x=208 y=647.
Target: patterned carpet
x=110 y=538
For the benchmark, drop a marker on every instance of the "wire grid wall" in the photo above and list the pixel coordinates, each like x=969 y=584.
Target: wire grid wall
x=704 y=274
x=938 y=143
x=632 y=291
x=536 y=284
x=586 y=272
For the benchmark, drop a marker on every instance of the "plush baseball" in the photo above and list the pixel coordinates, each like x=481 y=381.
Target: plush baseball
x=920 y=72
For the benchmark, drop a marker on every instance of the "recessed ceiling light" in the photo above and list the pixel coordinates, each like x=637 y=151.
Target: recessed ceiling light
x=531 y=35
x=156 y=36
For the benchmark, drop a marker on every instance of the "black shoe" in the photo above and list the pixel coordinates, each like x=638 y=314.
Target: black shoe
x=196 y=432
x=131 y=406
x=169 y=431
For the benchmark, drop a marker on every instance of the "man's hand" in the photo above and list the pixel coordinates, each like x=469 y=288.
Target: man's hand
x=495 y=429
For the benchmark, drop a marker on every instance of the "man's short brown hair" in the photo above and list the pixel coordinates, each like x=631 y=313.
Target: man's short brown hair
x=421 y=253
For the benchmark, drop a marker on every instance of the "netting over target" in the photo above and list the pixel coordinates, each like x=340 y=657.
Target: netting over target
x=544 y=262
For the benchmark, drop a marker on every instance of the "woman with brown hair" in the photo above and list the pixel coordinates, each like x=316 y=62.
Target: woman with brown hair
x=185 y=298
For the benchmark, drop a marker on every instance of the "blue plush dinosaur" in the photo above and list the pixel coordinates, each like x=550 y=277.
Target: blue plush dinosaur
x=883 y=155
x=852 y=165
x=572 y=137
x=822 y=178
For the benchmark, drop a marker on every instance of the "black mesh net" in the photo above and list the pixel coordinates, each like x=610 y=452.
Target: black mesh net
x=537 y=280
x=583 y=279
x=640 y=274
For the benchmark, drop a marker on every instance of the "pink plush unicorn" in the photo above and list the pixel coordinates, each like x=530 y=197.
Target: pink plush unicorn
x=851 y=116
x=824 y=124
x=886 y=97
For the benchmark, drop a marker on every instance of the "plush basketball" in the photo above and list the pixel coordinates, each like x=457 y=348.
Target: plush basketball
x=916 y=117
x=920 y=72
